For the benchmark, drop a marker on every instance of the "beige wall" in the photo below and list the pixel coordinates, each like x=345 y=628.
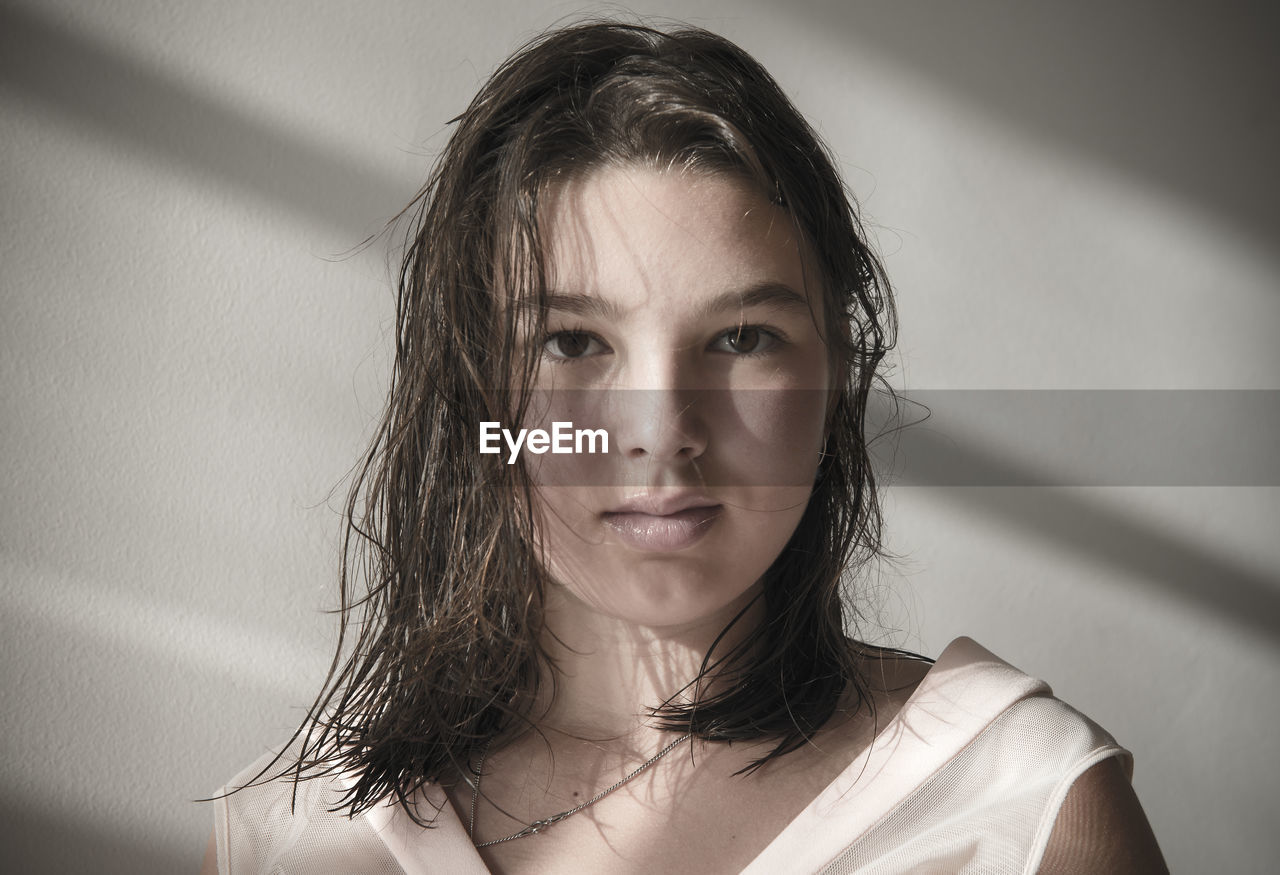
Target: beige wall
x=1069 y=196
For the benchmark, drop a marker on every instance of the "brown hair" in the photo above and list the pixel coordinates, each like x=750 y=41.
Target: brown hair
x=438 y=562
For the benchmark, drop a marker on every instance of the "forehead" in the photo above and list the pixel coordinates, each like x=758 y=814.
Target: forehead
x=641 y=234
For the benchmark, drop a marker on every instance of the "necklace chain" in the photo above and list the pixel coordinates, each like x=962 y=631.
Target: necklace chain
x=539 y=825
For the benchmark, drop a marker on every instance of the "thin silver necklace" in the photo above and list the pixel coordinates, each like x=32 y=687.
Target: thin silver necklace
x=539 y=825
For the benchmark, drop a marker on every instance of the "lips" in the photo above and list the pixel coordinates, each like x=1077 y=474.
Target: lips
x=663 y=524
x=658 y=504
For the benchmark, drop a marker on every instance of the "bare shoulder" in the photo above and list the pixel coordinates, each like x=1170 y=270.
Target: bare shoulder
x=210 y=864
x=1101 y=827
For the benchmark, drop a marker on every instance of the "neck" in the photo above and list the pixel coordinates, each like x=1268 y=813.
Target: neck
x=609 y=674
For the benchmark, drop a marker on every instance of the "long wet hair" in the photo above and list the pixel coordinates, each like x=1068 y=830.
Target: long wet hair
x=441 y=576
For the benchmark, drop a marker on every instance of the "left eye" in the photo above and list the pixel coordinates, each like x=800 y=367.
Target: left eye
x=745 y=340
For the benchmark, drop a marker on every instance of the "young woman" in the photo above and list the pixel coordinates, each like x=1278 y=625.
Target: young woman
x=604 y=528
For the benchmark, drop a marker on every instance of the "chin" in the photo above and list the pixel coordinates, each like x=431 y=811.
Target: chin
x=702 y=586
x=658 y=593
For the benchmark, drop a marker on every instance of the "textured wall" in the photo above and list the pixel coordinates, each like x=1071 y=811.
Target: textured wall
x=1069 y=197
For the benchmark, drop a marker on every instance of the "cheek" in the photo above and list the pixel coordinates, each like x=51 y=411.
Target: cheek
x=576 y=549
x=770 y=438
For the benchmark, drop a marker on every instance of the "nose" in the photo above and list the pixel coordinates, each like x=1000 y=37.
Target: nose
x=660 y=414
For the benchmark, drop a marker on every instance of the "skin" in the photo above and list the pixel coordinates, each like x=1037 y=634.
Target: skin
x=684 y=321
x=710 y=388
x=1101 y=827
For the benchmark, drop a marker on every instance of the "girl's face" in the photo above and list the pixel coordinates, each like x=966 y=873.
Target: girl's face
x=682 y=321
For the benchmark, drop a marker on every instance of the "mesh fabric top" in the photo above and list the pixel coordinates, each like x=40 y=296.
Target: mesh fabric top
x=967 y=777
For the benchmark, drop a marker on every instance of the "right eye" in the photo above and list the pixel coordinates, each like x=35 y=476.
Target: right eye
x=570 y=345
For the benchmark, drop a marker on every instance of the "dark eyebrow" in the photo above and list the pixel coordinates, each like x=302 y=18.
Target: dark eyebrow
x=770 y=294
x=587 y=306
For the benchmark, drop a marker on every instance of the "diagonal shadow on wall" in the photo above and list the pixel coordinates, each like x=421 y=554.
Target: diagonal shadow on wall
x=1179 y=96
x=1115 y=438
x=136 y=106
x=1209 y=582
x=175 y=124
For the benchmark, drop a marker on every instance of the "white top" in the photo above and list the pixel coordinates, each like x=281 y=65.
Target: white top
x=967 y=777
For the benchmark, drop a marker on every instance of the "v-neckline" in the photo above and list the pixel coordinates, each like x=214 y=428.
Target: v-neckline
x=958 y=696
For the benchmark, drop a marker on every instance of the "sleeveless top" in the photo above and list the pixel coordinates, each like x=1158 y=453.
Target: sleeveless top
x=967 y=777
